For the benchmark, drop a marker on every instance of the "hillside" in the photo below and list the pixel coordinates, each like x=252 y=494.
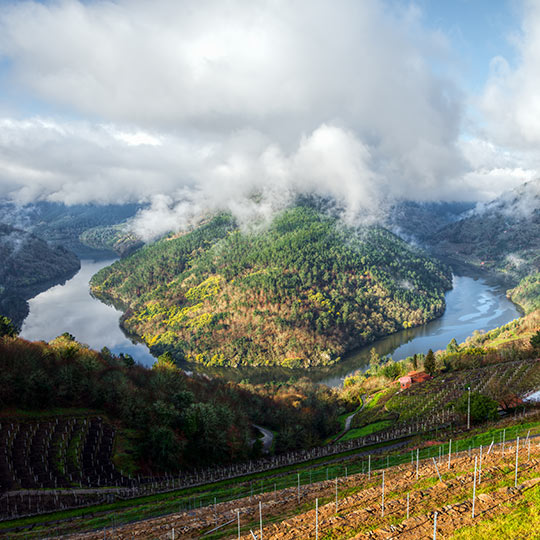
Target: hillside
x=302 y=292
x=502 y=236
x=115 y=238
x=419 y=221
x=28 y=265
x=164 y=418
x=527 y=293
x=62 y=225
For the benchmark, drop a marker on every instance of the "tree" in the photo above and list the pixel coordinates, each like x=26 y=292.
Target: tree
x=6 y=327
x=535 y=341
x=374 y=362
x=482 y=407
x=453 y=346
x=429 y=362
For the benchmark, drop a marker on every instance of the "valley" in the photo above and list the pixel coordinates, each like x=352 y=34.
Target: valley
x=292 y=326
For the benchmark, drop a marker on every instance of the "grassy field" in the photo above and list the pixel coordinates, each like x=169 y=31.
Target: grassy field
x=366 y=430
x=522 y=522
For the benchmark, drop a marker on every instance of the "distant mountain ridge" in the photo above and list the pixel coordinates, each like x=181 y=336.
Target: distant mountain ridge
x=63 y=225
x=502 y=236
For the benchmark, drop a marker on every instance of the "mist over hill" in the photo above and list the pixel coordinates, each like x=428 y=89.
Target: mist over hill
x=502 y=236
x=63 y=225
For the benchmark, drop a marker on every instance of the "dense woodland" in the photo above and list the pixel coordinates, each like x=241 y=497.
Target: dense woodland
x=117 y=238
x=176 y=420
x=301 y=292
x=28 y=265
x=501 y=237
x=527 y=293
x=62 y=225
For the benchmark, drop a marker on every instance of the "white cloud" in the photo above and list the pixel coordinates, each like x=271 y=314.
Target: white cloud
x=511 y=100
x=212 y=104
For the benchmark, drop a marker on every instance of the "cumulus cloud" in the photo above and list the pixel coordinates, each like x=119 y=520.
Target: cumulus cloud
x=238 y=105
x=511 y=101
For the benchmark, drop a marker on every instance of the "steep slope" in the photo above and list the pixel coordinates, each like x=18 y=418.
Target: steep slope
x=502 y=236
x=117 y=238
x=62 y=225
x=302 y=292
x=419 y=221
x=172 y=420
x=29 y=265
x=527 y=293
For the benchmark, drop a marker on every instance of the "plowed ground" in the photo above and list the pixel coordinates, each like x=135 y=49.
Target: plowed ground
x=359 y=513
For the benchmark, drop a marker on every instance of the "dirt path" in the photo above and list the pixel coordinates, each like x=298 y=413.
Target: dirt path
x=349 y=419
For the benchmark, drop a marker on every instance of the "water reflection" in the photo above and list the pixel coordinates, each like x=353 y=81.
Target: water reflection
x=71 y=308
x=472 y=304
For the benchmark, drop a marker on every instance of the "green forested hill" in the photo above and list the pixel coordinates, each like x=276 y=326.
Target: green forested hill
x=172 y=420
x=527 y=293
x=29 y=265
x=302 y=292
x=117 y=238
x=503 y=236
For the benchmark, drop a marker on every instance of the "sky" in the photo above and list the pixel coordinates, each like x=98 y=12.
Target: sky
x=240 y=105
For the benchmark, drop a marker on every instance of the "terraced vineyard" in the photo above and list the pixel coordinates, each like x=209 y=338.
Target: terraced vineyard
x=432 y=397
x=61 y=453
x=354 y=507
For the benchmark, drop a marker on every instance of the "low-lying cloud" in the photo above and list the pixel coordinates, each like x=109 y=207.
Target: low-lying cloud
x=236 y=105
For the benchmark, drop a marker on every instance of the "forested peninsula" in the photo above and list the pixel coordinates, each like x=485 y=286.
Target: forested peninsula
x=301 y=292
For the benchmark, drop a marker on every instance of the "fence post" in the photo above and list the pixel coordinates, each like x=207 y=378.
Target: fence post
x=504 y=438
x=449 y=452
x=480 y=467
x=474 y=487
x=260 y=519
x=298 y=489
x=316 y=519
x=336 y=496
x=382 y=499
x=238 y=517
x=435 y=526
x=369 y=466
x=437 y=469
x=517 y=454
x=408 y=505
x=417 y=454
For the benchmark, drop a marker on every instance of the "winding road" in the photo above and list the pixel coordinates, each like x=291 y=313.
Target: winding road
x=267 y=440
x=349 y=418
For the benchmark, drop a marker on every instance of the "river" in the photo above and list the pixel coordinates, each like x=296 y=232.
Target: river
x=71 y=308
x=472 y=304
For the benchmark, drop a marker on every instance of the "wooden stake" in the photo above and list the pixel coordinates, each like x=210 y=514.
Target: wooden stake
x=474 y=487
x=517 y=455
x=316 y=519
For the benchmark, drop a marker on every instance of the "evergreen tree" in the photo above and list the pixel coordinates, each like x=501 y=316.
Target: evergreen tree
x=535 y=341
x=429 y=362
x=6 y=327
x=453 y=346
